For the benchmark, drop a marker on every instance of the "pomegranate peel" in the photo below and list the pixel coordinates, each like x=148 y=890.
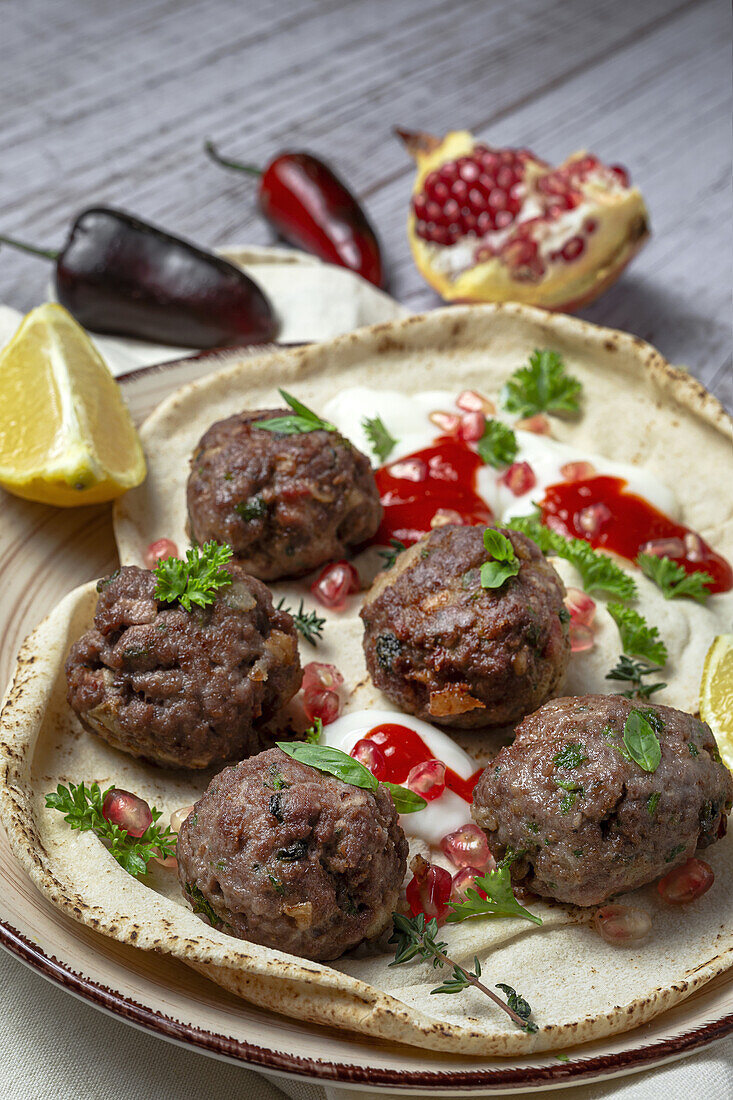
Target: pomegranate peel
x=495 y=225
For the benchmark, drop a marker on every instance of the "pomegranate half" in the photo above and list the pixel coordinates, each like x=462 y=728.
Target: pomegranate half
x=496 y=225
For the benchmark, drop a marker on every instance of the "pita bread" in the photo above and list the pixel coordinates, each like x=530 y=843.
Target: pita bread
x=636 y=408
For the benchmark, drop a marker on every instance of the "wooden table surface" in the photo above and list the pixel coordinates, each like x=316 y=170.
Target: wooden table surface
x=109 y=101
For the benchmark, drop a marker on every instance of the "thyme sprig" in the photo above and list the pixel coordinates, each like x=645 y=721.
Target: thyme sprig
x=307 y=623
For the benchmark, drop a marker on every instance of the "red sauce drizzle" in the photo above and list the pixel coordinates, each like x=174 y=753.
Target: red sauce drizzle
x=629 y=522
x=403 y=749
x=414 y=488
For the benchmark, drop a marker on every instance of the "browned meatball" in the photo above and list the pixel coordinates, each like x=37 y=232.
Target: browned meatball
x=446 y=649
x=588 y=821
x=280 y=854
x=284 y=503
x=183 y=689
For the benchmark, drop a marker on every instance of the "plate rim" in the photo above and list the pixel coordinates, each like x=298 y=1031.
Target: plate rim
x=242 y=1051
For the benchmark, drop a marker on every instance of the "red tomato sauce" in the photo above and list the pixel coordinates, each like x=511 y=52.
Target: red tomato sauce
x=629 y=521
x=403 y=749
x=414 y=488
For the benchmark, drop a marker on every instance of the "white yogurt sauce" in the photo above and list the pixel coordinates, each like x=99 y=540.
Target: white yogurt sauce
x=406 y=417
x=444 y=814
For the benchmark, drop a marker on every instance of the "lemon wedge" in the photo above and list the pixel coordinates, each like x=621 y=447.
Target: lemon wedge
x=66 y=435
x=716 y=694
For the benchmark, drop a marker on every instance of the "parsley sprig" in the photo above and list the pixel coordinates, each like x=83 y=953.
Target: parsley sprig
x=498 y=445
x=673 y=580
x=82 y=809
x=380 y=440
x=541 y=386
x=503 y=562
x=598 y=572
x=499 y=901
x=308 y=624
x=628 y=670
x=638 y=638
x=195 y=580
x=299 y=422
x=414 y=936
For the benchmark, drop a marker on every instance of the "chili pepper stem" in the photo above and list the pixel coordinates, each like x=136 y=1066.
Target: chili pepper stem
x=211 y=151
x=46 y=253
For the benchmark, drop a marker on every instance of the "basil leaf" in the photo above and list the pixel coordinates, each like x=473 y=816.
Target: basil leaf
x=332 y=761
x=498 y=546
x=642 y=742
x=505 y=563
x=405 y=800
x=495 y=573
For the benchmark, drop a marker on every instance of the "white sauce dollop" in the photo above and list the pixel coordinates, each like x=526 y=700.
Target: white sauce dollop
x=406 y=417
x=444 y=814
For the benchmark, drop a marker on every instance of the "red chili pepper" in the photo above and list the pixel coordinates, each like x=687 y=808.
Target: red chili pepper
x=313 y=209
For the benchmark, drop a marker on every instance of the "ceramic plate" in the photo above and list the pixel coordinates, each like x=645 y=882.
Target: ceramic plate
x=44 y=553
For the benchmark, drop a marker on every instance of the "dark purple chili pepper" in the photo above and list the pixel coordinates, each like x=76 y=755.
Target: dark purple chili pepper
x=121 y=276
x=313 y=209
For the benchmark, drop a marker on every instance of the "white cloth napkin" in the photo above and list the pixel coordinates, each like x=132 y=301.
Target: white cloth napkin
x=54 y=1047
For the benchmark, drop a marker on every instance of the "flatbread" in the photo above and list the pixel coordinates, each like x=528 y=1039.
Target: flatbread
x=636 y=408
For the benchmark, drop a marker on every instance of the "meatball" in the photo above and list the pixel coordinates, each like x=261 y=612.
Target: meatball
x=587 y=821
x=280 y=854
x=284 y=503
x=178 y=688
x=446 y=649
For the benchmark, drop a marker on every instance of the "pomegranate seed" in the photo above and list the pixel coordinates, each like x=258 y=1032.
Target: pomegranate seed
x=448 y=172
x=468 y=847
x=490 y=161
x=581 y=637
x=590 y=225
x=371 y=756
x=412 y=469
x=664 y=548
x=539 y=424
x=427 y=779
x=325 y=705
x=498 y=199
x=519 y=478
x=469 y=170
x=578 y=471
x=621 y=174
x=420 y=205
x=159 y=551
x=686 y=883
x=484 y=223
x=447 y=422
x=476 y=200
x=693 y=547
x=179 y=816
x=621 y=924
x=470 y=221
x=591 y=519
x=473 y=401
x=127 y=811
x=444 y=516
x=430 y=893
x=463 y=881
x=505 y=178
x=335 y=584
x=581 y=607
x=472 y=426
x=321 y=677
x=503 y=219
x=572 y=249
x=459 y=191
x=441 y=193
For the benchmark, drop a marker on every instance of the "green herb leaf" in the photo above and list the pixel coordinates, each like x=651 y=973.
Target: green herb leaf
x=637 y=637
x=335 y=762
x=389 y=557
x=314 y=733
x=380 y=441
x=307 y=623
x=632 y=672
x=519 y=1005
x=195 y=580
x=598 y=572
x=301 y=421
x=332 y=761
x=673 y=579
x=652 y=802
x=405 y=800
x=499 y=902
x=200 y=904
x=498 y=445
x=570 y=756
x=252 y=508
x=503 y=562
x=542 y=386
x=642 y=743
x=82 y=809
